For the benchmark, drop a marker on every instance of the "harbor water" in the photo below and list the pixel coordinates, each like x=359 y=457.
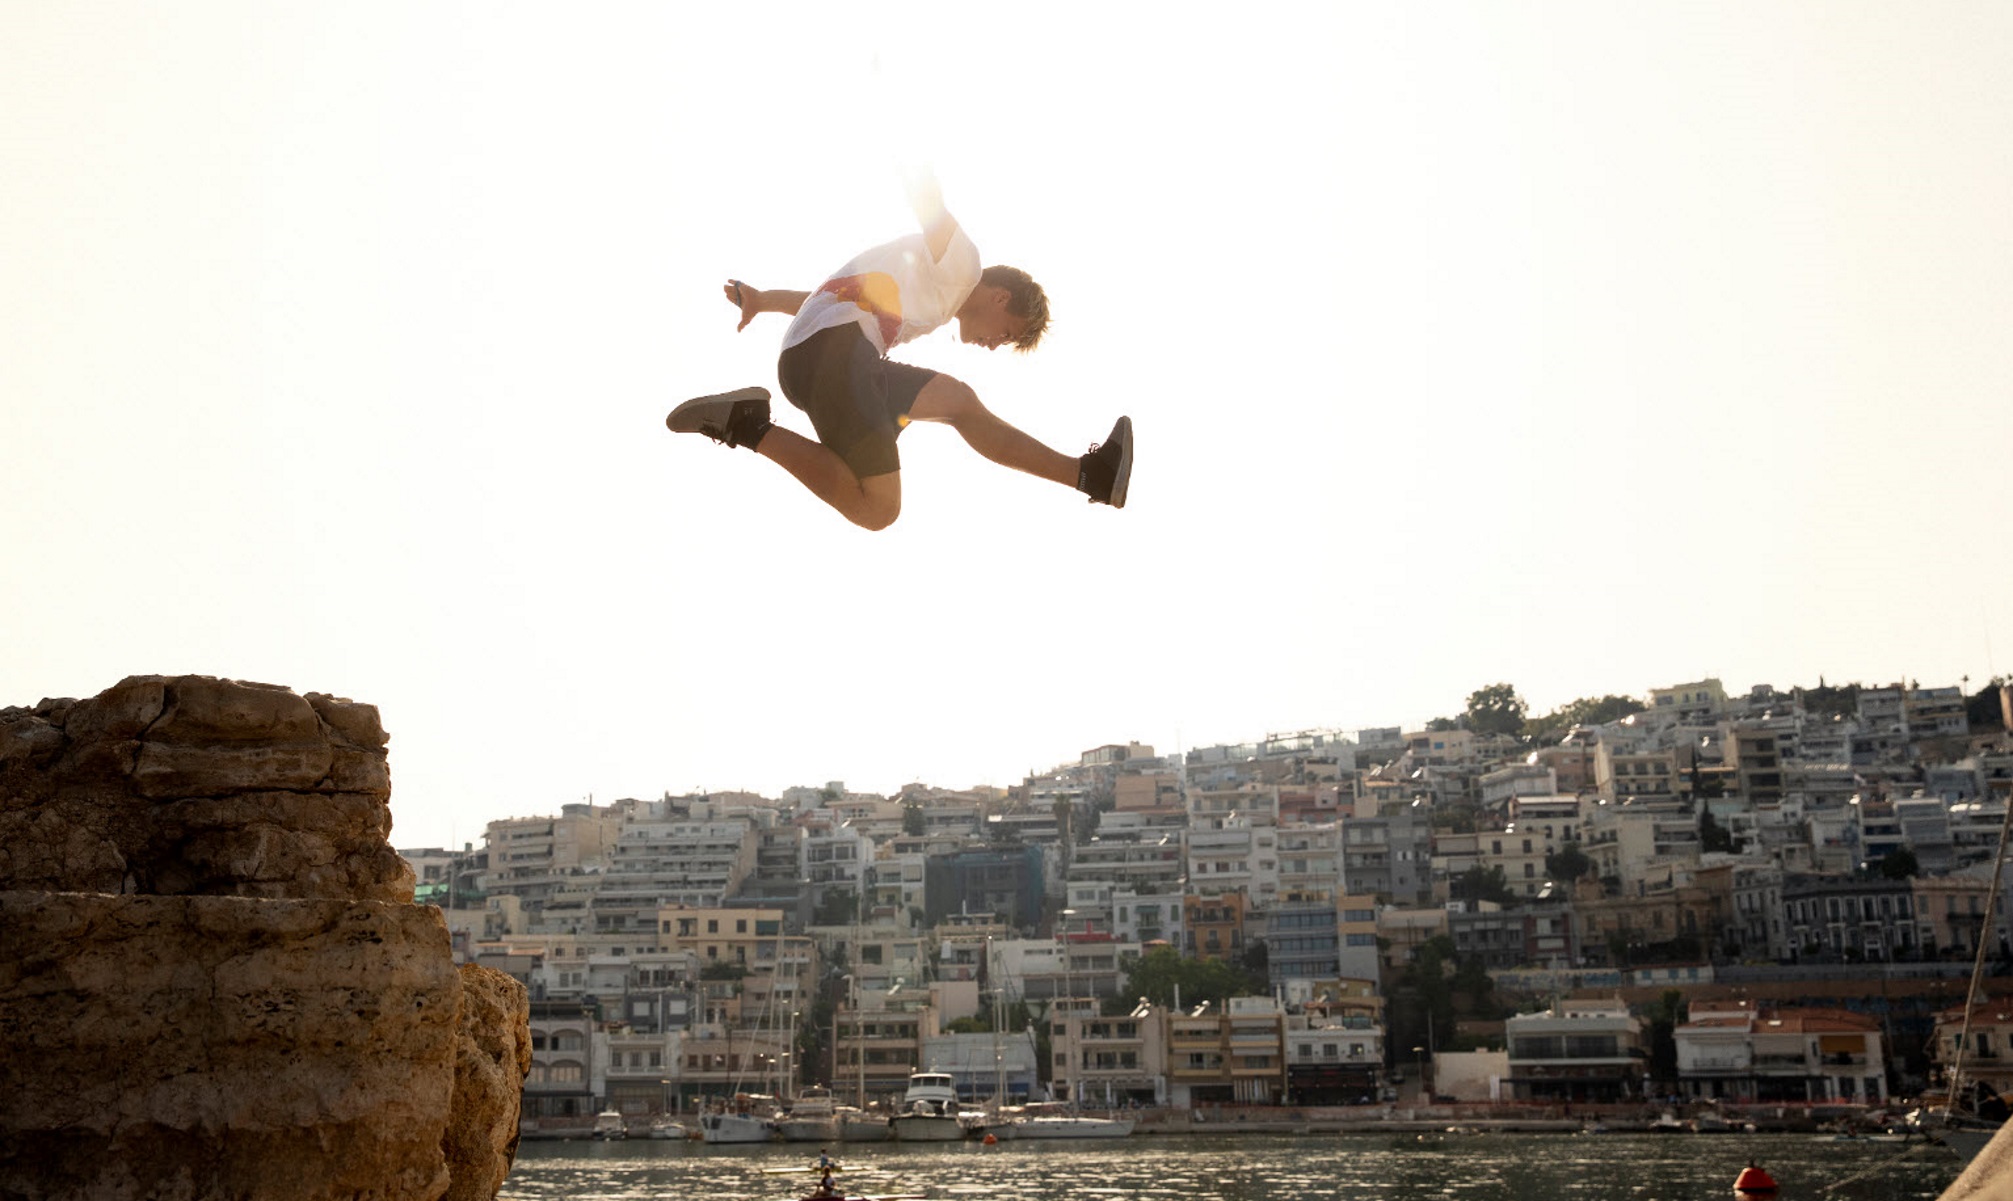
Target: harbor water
x=1251 y=1167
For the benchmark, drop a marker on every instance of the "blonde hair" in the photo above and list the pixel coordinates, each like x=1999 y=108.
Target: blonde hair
x=1025 y=300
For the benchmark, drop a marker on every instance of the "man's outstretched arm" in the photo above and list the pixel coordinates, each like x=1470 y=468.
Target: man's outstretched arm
x=927 y=199
x=752 y=301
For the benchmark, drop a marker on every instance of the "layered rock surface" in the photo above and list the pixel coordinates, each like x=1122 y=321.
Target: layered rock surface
x=212 y=980
x=173 y=786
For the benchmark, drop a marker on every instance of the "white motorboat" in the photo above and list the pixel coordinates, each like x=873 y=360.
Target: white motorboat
x=666 y=1127
x=929 y=1112
x=610 y=1124
x=749 y=1119
x=811 y=1118
x=858 y=1125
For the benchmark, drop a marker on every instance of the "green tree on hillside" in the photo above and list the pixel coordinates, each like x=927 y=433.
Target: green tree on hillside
x=1568 y=863
x=1587 y=711
x=1161 y=972
x=1496 y=709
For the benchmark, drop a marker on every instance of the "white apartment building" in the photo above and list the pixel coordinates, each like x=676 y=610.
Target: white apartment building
x=1310 y=858
x=1237 y=858
x=1245 y=805
x=1144 y=917
x=529 y=856
x=675 y=861
x=835 y=856
x=1500 y=786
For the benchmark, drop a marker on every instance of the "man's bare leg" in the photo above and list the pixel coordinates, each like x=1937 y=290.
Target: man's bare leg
x=872 y=503
x=953 y=403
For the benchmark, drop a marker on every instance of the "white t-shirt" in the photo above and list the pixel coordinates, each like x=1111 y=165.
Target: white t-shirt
x=895 y=292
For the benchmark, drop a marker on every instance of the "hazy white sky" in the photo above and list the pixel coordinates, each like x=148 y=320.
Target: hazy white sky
x=1587 y=347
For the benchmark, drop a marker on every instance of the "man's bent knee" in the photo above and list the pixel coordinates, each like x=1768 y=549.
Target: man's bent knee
x=876 y=519
x=880 y=502
x=945 y=400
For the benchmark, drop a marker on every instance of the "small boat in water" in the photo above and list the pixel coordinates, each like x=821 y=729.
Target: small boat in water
x=749 y=1118
x=811 y=1118
x=664 y=1126
x=610 y=1124
x=858 y=1125
x=929 y=1112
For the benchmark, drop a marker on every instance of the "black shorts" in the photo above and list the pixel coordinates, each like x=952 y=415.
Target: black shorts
x=857 y=400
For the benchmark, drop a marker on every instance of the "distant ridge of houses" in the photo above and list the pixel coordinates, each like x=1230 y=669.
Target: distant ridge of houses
x=1751 y=853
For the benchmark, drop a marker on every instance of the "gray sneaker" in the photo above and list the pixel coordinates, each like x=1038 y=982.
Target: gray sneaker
x=1104 y=473
x=738 y=418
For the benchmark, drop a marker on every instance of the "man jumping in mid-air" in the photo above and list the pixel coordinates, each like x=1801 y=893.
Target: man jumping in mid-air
x=834 y=366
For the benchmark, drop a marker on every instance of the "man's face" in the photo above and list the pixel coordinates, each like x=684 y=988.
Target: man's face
x=985 y=321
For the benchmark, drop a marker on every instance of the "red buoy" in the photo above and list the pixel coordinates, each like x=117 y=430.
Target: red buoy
x=1754 y=1182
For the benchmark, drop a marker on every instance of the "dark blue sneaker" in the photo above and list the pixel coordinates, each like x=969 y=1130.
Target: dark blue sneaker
x=1104 y=473
x=738 y=418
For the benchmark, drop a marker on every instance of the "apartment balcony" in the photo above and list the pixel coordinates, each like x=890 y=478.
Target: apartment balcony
x=1776 y=1063
x=1717 y=1063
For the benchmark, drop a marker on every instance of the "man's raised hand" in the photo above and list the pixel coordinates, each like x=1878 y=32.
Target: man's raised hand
x=745 y=298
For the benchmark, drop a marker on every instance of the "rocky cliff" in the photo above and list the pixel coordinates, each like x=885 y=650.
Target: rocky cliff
x=213 y=982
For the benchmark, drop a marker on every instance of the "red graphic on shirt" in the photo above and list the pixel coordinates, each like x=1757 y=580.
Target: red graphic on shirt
x=875 y=294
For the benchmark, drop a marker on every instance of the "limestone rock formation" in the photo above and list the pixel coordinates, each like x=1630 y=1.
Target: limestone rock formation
x=220 y=1046
x=171 y=786
x=489 y=1072
x=212 y=980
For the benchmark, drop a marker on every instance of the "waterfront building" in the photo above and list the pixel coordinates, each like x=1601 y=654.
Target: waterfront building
x=1229 y=1056
x=1109 y=1061
x=878 y=1041
x=563 y=1083
x=1577 y=1051
x=642 y=1071
x=1987 y=1056
x=1729 y=1050
x=987 y=1066
x=1333 y=1060
x=718 y=1061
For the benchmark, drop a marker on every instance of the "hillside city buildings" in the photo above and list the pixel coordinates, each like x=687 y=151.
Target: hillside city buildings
x=1762 y=856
